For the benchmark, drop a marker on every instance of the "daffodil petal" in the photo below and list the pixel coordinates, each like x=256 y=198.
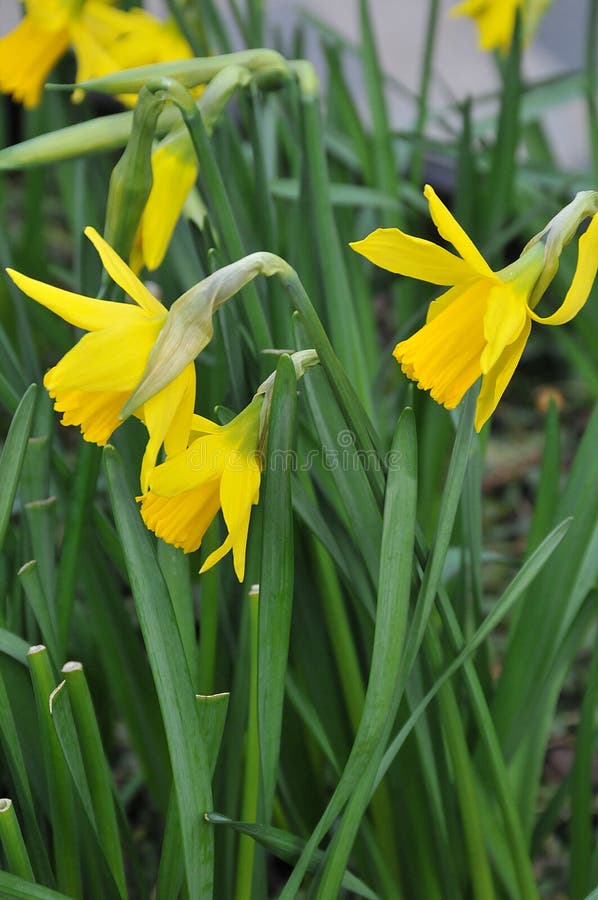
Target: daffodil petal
x=217 y=555
x=167 y=417
x=201 y=462
x=444 y=301
x=200 y=425
x=392 y=249
x=495 y=381
x=504 y=319
x=109 y=360
x=82 y=312
x=451 y=231
x=27 y=54
x=585 y=274
x=174 y=170
x=239 y=490
x=123 y=276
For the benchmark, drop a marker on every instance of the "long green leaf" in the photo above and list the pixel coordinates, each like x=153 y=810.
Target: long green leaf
x=188 y=756
x=276 y=578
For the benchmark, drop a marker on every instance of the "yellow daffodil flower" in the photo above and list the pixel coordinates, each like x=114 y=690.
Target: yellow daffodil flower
x=174 y=172
x=104 y=40
x=480 y=326
x=496 y=19
x=93 y=381
x=221 y=468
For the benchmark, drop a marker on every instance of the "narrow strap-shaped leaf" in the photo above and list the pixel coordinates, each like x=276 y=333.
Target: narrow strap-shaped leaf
x=190 y=766
x=396 y=561
x=288 y=847
x=276 y=579
x=211 y=711
x=96 y=770
x=13 y=844
x=62 y=807
x=13 y=454
x=14 y=888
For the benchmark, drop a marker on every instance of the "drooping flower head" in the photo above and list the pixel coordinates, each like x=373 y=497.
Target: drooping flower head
x=220 y=469
x=480 y=326
x=496 y=19
x=104 y=40
x=92 y=383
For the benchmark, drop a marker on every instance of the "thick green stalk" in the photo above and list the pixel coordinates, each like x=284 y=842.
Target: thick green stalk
x=417 y=158
x=338 y=296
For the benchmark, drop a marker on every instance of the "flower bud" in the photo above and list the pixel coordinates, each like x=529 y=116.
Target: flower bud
x=131 y=179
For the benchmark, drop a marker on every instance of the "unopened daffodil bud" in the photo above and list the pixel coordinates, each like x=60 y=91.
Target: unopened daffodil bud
x=268 y=68
x=131 y=179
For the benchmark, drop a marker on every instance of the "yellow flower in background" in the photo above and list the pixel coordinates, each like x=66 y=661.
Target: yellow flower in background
x=93 y=381
x=174 y=172
x=480 y=326
x=496 y=19
x=103 y=38
x=221 y=469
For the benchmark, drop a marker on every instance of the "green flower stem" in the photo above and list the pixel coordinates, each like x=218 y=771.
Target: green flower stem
x=249 y=804
x=13 y=844
x=385 y=164
x=417 y=159
x=62 y=809
x=195 y=37
x=96 y=770
x=332 y=269
x=223 y=211
x=592 y=82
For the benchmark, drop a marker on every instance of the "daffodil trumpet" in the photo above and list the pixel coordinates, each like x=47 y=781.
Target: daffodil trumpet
x=220 y=469
x=480 y=326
